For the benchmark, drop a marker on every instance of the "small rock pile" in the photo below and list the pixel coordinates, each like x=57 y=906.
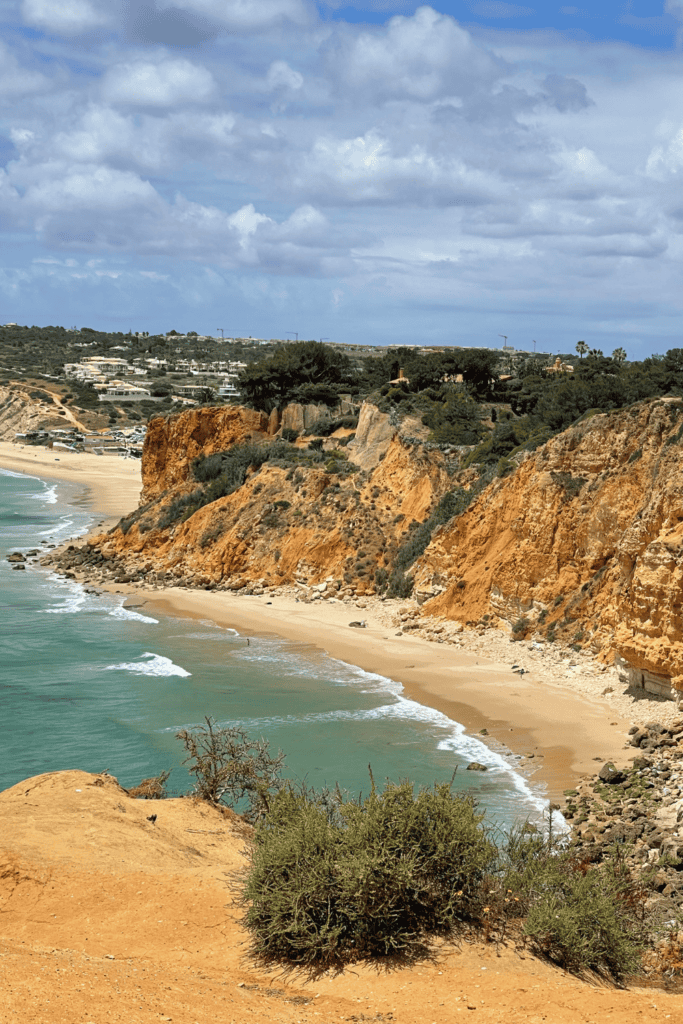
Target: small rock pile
x=638 y=811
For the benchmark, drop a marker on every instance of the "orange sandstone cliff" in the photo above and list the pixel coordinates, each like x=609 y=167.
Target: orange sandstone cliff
x=584 y=541
x=331 y=524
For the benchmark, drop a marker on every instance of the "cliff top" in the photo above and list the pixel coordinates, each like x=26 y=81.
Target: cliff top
x=107 y=916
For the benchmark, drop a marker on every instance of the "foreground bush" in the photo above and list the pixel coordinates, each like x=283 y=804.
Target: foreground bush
x=583 y=917
x=334 y=880
x=590 y=921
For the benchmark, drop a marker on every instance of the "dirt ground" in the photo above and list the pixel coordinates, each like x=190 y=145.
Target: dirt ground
x=106 y=916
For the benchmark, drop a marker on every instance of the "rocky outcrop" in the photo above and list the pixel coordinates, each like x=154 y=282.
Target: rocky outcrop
x=375 y=432
x=20 y=413
x=173 y=442
x=583 y=542
x=323 y=524
x=638 y=810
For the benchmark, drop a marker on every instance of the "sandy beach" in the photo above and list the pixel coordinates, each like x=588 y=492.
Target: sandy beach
x=565 y=731
x=561 y=728
x=112 y=484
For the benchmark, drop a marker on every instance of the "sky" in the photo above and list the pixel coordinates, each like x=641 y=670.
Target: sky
x=379 y=172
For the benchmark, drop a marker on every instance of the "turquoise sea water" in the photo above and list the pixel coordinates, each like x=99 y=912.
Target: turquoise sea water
x=88 y=684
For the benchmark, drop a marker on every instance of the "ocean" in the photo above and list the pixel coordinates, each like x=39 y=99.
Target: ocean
x=89 y=684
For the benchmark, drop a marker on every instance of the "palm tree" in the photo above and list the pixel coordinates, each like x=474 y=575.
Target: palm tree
x=619 y=355
x=581 y=348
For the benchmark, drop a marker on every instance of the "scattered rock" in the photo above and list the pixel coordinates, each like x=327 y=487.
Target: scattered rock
x=476 y=766
x=608 y=773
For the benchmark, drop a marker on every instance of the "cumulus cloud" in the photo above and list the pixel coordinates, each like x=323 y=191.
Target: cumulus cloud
x=413 y=159
x=281 y=76
x=422 y=57
x=166 y=84
x=145 y=23
x=566 y=94
x=366 y=169
x=65 y=17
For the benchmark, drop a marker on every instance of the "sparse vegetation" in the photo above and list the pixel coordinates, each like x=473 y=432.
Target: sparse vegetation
x=230 y=768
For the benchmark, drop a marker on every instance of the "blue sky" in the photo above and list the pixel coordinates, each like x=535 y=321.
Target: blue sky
x=378 y=172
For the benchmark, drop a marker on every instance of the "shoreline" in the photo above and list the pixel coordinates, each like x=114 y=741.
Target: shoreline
x=529 y=715
x=112 y=485
x=559 y=729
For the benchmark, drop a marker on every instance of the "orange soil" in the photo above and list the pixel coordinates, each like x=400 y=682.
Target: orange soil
x=105 y=916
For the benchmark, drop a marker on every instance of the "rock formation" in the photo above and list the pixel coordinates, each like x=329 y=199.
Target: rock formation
x=325 y=524
x=583 y=542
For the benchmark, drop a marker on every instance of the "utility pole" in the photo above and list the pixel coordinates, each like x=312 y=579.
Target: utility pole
x=505 y=339
x=534 y=344
x=222 y=332
x=323 y=339
x=290 y=333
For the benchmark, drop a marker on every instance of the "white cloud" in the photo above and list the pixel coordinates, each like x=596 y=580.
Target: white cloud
x=66 y=17
x=422 y=57
x=245 y=15
x=88 y=189
x=166 y=84
x=281 y=76
x=415 y=162
x=367 y=169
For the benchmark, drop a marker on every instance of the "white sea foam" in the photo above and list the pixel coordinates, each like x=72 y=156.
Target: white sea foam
x=73 y=600
x=49 y=495
x=18 y=476
x=154 y=665
x=453 y=735
x=128 y=613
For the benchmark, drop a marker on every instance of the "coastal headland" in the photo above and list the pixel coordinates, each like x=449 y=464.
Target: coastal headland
x=109 y=915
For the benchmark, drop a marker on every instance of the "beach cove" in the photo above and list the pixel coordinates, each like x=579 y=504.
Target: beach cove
x=566 y=725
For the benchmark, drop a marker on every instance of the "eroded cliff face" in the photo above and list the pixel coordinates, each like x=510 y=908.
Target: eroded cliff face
x=584 y=541
x=20 y=413
x=285 y=523
x=173 y=442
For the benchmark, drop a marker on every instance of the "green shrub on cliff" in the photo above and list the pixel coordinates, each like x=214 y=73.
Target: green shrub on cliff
x=335 y=880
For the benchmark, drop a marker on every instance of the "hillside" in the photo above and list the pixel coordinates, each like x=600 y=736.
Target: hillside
x=584 y=542
x=581 y=542
x=105 y=916
x=294 y=513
